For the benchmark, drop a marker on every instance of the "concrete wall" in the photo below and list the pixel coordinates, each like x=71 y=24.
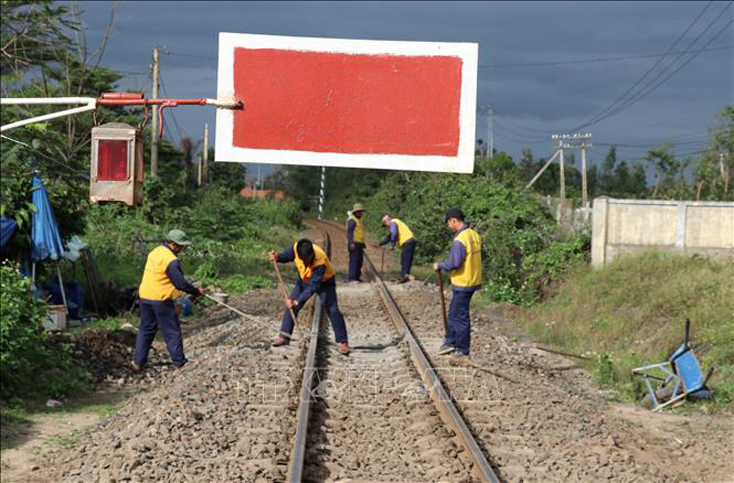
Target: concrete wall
x=622 y=226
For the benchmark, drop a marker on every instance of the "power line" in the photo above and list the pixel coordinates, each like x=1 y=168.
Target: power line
x=599 y=59
x=195 y=56
x=620 y=103
x=180 y=131
x=695 y=54
x=649 y=70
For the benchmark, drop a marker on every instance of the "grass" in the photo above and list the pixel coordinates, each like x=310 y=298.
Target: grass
x=632 y=313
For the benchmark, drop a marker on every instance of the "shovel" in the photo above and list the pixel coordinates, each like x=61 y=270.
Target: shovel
x=285 y=294
x=238 y=312
x=443 y=303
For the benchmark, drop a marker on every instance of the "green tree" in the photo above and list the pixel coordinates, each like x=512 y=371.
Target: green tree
x=622 y=178
x=638 y=182
x=607 y=181
x=501 y=168
x=45 y=55
x=527 y=165
x=592 y=181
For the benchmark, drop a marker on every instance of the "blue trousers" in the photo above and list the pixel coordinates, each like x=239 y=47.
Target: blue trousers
x=459 y=333
x=327 y=294
x=406 y=258
x=155 y=315
x=356 y=257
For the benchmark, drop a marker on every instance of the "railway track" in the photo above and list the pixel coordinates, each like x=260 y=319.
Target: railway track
x=381 y=414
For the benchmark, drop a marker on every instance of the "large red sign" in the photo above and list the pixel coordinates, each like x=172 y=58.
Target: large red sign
x=390 y=105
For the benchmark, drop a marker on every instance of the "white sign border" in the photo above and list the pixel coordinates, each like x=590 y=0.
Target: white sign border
x=462 y=163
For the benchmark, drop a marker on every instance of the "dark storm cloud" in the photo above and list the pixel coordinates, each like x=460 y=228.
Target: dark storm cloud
x=530 y=102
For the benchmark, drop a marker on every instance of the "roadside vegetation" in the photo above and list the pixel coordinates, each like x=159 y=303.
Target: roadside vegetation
x=632 y=313
x=44 y=55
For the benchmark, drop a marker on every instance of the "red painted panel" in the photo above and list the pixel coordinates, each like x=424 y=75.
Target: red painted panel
x=347 y=103
x=112 y=160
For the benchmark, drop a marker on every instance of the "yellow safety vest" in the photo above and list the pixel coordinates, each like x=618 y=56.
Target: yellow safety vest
x=319 y=259
x=358 y=235
x=469 y=274
x=155 y=284
x=404 y=233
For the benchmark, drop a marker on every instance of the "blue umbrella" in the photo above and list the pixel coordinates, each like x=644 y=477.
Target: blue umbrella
x=45 y=237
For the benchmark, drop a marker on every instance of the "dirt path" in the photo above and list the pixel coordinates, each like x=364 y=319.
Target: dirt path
x=26 y=443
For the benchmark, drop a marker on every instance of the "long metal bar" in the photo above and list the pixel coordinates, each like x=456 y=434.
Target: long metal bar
x=440 y=397
x=105 y=100
x=33 y=120
x=298 y=455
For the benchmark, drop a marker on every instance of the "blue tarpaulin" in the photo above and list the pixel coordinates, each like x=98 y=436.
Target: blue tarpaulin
x=45 y=237
x=7 y=228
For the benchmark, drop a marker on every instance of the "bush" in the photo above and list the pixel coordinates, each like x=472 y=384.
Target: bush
x=632 y=312
x=231 y=236
x=522 y=249
x=29 y=362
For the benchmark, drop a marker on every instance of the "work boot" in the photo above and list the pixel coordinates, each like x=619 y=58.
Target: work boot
x=280 y=341
x=402 y=280
x=445 y=350
x=135 y=367
x=344 y=348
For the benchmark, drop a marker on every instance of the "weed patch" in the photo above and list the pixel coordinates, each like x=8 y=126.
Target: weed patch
x=632 y=312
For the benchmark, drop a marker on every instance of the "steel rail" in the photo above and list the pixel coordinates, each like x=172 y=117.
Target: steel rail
x=441 y=398
x=298 y=454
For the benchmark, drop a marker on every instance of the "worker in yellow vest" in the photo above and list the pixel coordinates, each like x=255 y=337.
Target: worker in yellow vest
x=355 y=243
x=315 y=275
x=163 y=281
x=465 y=265
x=401 y=236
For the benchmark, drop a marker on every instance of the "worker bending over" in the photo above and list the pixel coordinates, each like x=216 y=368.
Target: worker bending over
x=465 y=264
x=163 y=281
x=401 y=235
x=315 y=275
x=355 y=243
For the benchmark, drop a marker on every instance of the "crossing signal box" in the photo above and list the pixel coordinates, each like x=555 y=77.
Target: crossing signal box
x=117 y=164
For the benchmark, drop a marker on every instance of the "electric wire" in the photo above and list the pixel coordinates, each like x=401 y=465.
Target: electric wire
x=181 y=133
x=621 y=103
x=600 y=59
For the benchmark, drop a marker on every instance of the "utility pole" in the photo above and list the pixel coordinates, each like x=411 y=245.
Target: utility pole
x=562 y=173
x=154 y=124
x=489 y=110
x=205 y=158
x=200 y=170
x=584 y=199
x=571 y=141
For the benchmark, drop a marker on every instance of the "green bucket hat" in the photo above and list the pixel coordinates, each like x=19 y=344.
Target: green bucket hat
x=179 y=238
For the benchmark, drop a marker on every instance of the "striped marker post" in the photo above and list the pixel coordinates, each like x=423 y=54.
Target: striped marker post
x=321 y=192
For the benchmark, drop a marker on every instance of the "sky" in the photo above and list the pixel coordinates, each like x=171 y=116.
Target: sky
x=543 y=66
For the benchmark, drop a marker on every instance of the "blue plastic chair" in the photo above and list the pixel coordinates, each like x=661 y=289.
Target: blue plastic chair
x=682 y=370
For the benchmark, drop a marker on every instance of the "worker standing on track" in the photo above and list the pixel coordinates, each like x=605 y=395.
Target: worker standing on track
x=465 y=264
x=401 y=235
x=315 y=275
x=163 y=281
x=355 y=243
